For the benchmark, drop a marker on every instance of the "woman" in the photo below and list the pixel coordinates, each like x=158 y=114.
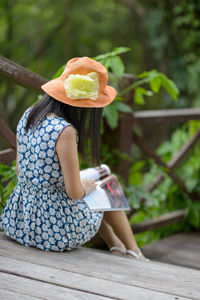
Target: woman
x=46 y=209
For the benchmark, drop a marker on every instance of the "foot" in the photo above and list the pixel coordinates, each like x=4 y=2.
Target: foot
x=117 y=251
x=136 y=253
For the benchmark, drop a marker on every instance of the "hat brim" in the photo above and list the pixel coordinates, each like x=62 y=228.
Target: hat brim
x=55 y=89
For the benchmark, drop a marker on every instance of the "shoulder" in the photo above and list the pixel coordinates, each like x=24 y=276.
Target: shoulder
x=66 y=142
x=68 y=134
x=64 y=130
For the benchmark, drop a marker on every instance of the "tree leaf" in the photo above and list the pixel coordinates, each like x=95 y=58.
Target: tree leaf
x=120 y=50
x=155 y=84
x=138 y=96
x=111 y=114
x=170 y=86
x=123 y=107
x=137 y=165
x=151 y=74
x=116 y=51
x=143 y=74
x=116 y=65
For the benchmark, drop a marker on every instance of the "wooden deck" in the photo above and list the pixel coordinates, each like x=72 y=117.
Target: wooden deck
x=181 y=249
x=28 y=273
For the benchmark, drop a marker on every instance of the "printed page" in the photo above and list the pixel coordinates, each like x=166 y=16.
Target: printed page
x=98 y=199
x=108 y=195
x=95 y=173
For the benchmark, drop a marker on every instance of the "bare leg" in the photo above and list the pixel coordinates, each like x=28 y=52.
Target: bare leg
x=98 y=241
x=107 y=234
x=120 y=224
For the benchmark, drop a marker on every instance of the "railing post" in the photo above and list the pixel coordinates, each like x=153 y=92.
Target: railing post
x=126 y=124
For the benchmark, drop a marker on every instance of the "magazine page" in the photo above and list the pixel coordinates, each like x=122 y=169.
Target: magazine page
x=96 y=173
x=108 y=195
x=98 y=200
x=115 y=193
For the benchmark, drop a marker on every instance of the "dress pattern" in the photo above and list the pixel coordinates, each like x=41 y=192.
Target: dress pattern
x=38 y=212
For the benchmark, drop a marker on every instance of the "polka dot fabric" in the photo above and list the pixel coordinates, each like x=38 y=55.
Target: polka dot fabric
x=38 y=212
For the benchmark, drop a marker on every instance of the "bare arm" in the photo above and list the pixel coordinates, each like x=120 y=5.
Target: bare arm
x=66 y=148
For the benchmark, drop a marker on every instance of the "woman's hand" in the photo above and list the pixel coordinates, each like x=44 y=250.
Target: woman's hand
x=89 y=185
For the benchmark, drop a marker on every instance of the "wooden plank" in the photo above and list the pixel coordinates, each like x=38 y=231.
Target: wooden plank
x=180 y=249
x=163 y=220
x=167 y=115
x=21 y=75
x=41 y=289
x=172 y=279
x=8 y=295
x=86 y=283
x=7 y=134
x=7 y=156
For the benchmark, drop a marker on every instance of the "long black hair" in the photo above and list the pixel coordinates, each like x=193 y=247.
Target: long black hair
x=87 y=122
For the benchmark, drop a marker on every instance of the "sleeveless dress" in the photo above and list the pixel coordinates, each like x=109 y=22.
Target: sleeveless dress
x=39 y=212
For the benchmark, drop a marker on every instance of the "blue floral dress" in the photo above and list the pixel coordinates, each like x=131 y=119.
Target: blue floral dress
x=39 y=213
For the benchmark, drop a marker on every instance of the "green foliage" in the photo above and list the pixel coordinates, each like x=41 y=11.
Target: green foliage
x=54 y=33
x=155 y=79
x=104 y=58
x=167 y=196
x=139 y=95
x=111 y=115
x=8 y=182
x=112 y=61
x=173 y=36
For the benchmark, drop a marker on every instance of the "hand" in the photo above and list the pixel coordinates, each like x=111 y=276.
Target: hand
x=89 y=185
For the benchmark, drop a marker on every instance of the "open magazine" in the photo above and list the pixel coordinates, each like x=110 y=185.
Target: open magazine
x=108 y=194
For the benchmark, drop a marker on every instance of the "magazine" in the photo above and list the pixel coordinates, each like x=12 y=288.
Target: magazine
x=108 y=194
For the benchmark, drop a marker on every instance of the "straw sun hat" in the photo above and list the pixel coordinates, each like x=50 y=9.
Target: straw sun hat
x=83 y=84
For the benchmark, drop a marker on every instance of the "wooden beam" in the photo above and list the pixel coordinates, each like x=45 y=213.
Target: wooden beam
x=29 y=79
x=167 y=115
x=21 y=75
x=166 y=219
x=7 y=134
x=185 y=148
x=149 y=152
x=125 y=130
x=7 y=156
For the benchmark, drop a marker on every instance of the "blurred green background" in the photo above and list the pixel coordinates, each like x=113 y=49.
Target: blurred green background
x=42 y=36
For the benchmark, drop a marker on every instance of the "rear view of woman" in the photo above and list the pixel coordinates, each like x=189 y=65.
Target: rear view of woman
x=46 y=209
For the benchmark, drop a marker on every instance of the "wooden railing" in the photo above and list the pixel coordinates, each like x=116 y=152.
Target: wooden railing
x=30 y=80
